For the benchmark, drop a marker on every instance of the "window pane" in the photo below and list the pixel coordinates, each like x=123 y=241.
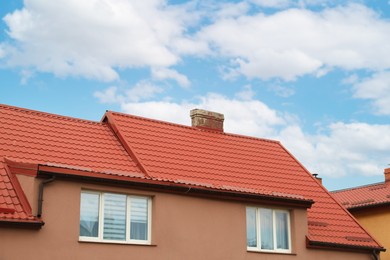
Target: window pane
x=114 y=216
x=139 y=218
x=266 y=229
x=251 y=238
x=89 y=215
x=282 y=230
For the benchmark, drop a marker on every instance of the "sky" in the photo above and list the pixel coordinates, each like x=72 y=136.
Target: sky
x=313 y=74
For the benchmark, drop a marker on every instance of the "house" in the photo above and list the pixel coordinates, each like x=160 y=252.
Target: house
x=370 y=204
x=137 y=188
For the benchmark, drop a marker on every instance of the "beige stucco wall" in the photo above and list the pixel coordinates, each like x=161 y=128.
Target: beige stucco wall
x=183 y=227
x=377 y=222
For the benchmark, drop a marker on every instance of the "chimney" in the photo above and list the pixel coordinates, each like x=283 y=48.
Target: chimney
x=315 y=175
x=387 y=174
x=207 y=119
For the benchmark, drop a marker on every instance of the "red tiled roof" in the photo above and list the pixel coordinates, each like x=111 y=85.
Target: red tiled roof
x=14 y=206
x=175 y=152
x=364 y=196
x=169 y=153
x=41 y=138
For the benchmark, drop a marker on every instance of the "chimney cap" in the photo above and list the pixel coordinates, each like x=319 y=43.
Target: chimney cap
x=319 y=180
x=206 y=113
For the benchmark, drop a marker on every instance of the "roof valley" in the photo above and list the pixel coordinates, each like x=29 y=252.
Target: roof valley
x=111 y=122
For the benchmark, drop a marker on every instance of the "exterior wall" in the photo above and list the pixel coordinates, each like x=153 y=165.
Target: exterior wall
x=377 y=222
x=183 y=227
x=30 y=186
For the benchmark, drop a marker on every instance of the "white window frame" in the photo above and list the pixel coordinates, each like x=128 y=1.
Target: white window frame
x=100 y=238
x=258 y=233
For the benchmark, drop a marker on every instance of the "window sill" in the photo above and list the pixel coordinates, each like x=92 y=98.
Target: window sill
x=115 y=242
x=269 y=252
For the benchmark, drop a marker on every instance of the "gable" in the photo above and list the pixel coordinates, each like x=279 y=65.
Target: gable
x=14 y=207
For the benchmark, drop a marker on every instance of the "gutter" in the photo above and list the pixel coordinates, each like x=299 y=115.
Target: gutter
x=343 y=247
x=40 y=194
x=375 y=255
x=370 y=206
x=179 y=188
x=34 y=225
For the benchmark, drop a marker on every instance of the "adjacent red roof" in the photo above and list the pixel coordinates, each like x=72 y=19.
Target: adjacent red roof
x=373 y=195
x=14 y=206
x=171 y=153
x=42 y=138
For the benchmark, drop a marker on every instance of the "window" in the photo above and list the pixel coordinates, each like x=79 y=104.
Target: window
x=268 y=230
x=112 y=217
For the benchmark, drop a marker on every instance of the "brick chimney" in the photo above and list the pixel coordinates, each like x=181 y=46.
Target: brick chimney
x=387 y=174
x=207 y=119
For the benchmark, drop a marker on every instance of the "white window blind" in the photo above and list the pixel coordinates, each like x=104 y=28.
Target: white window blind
x=114 y=217
x=139 y=218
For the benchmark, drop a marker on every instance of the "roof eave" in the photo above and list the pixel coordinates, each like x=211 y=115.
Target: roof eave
x=24 y=224
x=170 y=186
x=371 y=206
x=343 y=247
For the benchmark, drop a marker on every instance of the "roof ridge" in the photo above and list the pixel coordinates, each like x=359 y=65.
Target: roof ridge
x=191 y=127
x=42 y=113
x=111 y=122
x=357 y=187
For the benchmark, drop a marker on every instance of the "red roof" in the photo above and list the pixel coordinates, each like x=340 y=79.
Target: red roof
x=176 y=154
x=36 y=137
x=373 y=195
x=14 y=206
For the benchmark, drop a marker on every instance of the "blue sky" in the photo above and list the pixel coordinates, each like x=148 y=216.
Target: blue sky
x=313 y=74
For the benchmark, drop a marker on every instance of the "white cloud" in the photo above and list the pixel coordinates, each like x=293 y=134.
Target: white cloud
x=109 y=96
x=377 y=89
x=346 y=148
x=165 y=73
x=93 y=38
x=246 y=93
x=273 y=3
x=26 y=75
x=161 y=110
x=143 y=90
x=104 y=36
x=295 y=42
x=229 y=10
x=2 y=51
x=278 y=4
x=250 y=117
